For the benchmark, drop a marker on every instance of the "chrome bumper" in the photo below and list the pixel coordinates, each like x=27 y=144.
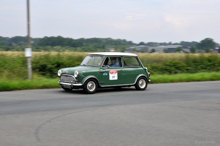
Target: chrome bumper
x=70 y=84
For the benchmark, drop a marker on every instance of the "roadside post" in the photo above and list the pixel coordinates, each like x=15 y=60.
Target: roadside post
x=28 y=50
x=28 y=54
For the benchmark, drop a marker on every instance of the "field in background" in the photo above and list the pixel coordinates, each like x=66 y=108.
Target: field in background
x=174 y=67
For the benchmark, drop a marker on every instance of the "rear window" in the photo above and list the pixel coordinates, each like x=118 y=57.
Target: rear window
x=131 y=62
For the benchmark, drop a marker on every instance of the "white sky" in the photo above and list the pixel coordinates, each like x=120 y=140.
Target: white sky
x=133 y=20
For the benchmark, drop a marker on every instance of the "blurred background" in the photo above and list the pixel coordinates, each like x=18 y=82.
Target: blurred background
x=170 y=36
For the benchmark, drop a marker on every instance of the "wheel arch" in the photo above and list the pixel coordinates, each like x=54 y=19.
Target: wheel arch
x=141 y=75
x=90 y=77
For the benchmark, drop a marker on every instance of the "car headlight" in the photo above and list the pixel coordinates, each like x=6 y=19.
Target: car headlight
x=59 y=72
x=76 y=74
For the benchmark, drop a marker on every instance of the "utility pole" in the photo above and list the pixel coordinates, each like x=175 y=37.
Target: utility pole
x=28 y=50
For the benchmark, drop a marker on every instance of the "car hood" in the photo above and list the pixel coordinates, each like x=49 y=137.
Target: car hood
x=71 y=70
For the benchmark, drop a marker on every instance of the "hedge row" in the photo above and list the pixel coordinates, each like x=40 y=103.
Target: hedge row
x=47 y=64
x=190 y=64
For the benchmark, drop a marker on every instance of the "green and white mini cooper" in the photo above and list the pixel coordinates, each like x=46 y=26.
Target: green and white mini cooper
x=105 y=69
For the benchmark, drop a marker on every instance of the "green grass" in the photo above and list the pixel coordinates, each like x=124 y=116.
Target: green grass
x=39 y=82
x=36 y=83
x=185 y=77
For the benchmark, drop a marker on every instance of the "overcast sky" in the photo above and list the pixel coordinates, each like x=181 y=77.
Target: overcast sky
x=133 y=20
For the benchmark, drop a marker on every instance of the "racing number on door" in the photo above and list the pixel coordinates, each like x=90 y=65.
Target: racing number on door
x=113 y=75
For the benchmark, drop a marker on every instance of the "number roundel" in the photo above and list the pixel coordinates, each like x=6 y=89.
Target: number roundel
x=113 y=75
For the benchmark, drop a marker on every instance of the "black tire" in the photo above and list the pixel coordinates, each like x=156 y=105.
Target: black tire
x=141 y=83
x=90 y=86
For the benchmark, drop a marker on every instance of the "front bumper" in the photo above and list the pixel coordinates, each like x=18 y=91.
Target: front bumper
x=70 y=84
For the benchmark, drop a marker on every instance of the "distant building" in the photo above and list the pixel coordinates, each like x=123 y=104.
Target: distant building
x=110 y=49
x=216 y=50
x=186 y=50
x=158 y=49
x=169 y=48
x=140 y=49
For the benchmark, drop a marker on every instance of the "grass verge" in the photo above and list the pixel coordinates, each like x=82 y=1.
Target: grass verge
x=41 y=82
x=185 y=77
x=36 y=83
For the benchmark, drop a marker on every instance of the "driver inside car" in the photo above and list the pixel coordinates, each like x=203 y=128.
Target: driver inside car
x=114 y=63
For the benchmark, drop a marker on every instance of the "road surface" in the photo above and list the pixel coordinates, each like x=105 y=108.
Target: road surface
x=174 y=114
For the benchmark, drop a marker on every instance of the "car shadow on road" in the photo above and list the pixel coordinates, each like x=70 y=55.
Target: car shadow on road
x=101 y=90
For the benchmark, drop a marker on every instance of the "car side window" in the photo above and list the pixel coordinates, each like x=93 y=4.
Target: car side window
x=131 y=62
x=112 y=62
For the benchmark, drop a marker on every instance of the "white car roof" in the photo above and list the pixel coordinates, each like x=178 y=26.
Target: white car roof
x=114 y=53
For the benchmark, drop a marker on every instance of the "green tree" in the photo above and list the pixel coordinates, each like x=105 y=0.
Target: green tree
x=207 y=50
x=193 y=49
x=153 y=50
x=141 y=43
x=134 y=49
x=4 y=41
x=152 y=44
x=165 y=50
x=123 y=48
x=206 y=43
x=188 y=44
x=179 y=49
x=18 y=39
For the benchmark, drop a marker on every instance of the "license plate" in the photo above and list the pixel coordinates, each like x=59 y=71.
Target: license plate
x=67 y=86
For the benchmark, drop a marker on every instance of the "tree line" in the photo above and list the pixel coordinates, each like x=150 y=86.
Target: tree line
x=59 y=43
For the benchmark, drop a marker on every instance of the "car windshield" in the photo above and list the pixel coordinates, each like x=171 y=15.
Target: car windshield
x=91 y=60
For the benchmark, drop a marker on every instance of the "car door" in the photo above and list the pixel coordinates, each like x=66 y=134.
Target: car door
x=131 y=69
x=111 y=75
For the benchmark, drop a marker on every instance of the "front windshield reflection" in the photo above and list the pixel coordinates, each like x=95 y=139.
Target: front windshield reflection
x=90 y=60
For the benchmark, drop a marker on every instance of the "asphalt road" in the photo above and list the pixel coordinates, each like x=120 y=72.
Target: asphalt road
x=175 y=114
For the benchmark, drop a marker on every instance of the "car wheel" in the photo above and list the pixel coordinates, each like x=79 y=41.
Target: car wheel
x=90 y=86
x=141 y=84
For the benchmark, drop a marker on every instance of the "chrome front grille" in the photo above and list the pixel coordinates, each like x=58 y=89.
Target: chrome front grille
x=68 y=79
